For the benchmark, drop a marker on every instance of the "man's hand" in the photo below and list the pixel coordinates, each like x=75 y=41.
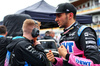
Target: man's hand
x=36 y=42
x=62 y=51
x=50 y=56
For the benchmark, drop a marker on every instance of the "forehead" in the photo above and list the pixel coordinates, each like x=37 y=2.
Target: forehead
x=59 y=14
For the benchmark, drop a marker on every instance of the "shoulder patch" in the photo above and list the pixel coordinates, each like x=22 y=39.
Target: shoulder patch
x=81 y=29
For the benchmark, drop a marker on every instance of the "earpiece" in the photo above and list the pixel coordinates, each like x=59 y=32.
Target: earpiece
x=35 y=32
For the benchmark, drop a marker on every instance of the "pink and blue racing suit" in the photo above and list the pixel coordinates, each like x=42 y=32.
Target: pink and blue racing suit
x=81 y=44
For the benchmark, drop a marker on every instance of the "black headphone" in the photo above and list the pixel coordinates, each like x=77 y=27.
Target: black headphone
x=35 y=32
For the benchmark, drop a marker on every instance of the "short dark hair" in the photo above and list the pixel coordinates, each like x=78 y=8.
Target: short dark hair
x=3 y=29
x=47 y=33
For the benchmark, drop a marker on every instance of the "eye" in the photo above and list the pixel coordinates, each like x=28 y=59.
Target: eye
x=58 y=15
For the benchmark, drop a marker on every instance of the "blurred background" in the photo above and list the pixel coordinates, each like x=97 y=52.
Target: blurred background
x=88 y=12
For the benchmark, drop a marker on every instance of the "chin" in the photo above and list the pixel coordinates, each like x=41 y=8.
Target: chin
x=60 y=26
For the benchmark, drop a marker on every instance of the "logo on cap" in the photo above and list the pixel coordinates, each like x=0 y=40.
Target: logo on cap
x=67 y=9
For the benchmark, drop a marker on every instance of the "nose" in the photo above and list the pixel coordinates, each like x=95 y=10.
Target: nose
x=56 y=19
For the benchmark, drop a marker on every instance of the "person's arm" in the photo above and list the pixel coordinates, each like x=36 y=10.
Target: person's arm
x=75 y=60
x=38 y=46
x=32 y=55
x=88 y=44
x=55 y=60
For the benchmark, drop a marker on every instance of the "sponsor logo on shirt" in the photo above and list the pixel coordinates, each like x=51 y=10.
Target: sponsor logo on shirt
x=69 y=45
x=89 y=38
x=91 y=46
x=72 y=34
x=30 y=49
x=70 y=38
x=88 y=34
x=90 y=42
x=82 y=62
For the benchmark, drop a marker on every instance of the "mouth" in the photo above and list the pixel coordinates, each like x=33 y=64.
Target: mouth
x=58 y=22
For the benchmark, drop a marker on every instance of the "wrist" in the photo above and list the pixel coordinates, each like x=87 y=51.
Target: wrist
x=53 y=60
x=67 y=56
x=64 y=55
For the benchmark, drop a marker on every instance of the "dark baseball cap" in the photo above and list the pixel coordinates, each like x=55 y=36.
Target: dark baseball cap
x=66 y=8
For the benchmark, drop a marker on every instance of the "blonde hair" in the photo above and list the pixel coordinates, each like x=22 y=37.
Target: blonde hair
x=29 y=24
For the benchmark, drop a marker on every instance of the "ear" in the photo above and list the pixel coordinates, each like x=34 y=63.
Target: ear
x=71 y=15
x=6 y=33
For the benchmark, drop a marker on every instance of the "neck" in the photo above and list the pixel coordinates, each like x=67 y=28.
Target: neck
x=3 y=35
x=28 y=36
x=70 y=23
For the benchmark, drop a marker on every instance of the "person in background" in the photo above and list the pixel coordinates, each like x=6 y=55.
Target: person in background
x=3 y=43
x=47 y=34
x=78 y=42
x=48 y=44
x=52 y=34
x=26 y=50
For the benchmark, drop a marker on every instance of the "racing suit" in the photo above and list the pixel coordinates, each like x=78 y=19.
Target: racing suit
x=82 y=50
x=23 y=51
x=3 y=43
